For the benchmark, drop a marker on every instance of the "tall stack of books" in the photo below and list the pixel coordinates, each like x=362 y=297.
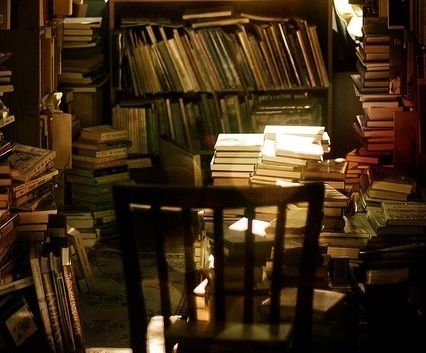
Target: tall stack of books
x=33 y=181
x=235 y=157
x=335 y=204
x=82 y=58
x=379 y=94
x=99 y=160
x=373 y=59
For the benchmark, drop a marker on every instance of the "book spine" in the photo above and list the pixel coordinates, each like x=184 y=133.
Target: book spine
x=25 y=188
x=52 y=307
x=41 y=297
x=77 y=330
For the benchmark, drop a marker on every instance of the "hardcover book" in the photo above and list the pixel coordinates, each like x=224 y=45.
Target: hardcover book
x=30 y=161
x=103 y=133
x=239 y=142
x=405 y=213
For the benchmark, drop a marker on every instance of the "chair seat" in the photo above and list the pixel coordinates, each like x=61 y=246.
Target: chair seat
x=234 y=333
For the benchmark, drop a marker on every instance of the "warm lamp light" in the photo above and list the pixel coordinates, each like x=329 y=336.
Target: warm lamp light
x=351 y=15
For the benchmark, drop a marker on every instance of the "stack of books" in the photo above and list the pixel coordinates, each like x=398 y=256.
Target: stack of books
x=335 y=204
x=99 y=160
x=235 y=157
x=400 y=242
x=286 y=152
x=380 y=184
x=373 y=59
x=378 y=86
x=84 y=223
x=5 y=74
x=34 y=179
x=330 y=171
x=82 y=58
x=388 y=234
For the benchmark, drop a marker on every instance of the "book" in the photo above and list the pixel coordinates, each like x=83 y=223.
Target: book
x=192 y=14
x=40 y=293
x=82 y=144
x=390 y=179
x=239 y=142
x=18 y=318
x=327 y=304
x=104 y=179
x=82 y=22
x=404 y=213
x=30 y=161
x=103 y=133
x=72 y=301
x=41 y=213
x=271 y=131
x=376 y=217
x=21 y=188
x=298 y=147
x=354 y=156
x=375 y=32
x=328 y=169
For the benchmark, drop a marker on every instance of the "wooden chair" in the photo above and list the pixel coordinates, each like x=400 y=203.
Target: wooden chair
x=219 y=334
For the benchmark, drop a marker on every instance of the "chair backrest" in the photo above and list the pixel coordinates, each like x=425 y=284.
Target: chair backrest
x=159 y=198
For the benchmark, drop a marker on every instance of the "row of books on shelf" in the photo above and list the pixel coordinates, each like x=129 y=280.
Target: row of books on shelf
x=194 y=123
x=244 y=53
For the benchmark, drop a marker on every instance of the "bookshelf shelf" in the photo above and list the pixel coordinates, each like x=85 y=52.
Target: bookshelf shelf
x=250 y=73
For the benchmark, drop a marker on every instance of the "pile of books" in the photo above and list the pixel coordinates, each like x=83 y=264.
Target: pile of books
x=55 y=287
x=335 y=204
x=235 y=157
x=330 y=171
x=400 y=239
x=34 y=179
x=380 y=184
x=99 y=160
x=286 y=152
x=82 y=58
x=373 y=59
x=84 y=223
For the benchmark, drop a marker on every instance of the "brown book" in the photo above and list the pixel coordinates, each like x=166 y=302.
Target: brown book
x=71 y=293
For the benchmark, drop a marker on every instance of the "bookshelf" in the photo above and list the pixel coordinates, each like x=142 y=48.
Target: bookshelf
x=33 y=41
x=237 y=97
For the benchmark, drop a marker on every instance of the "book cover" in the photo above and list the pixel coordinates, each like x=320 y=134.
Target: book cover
x=103 y=133
x=298 y=147
x=30 y=161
